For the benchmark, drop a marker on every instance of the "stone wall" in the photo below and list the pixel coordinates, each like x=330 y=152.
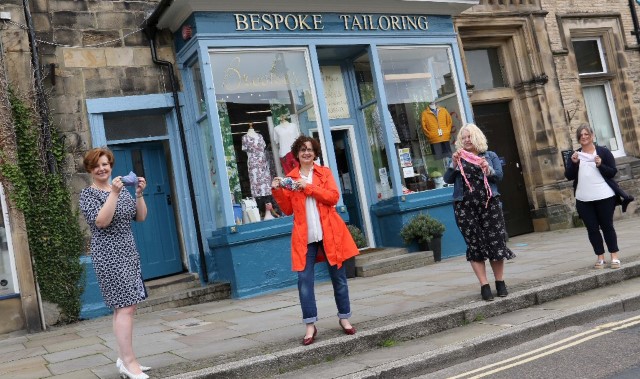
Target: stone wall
x=94 y=49
x=552 y=24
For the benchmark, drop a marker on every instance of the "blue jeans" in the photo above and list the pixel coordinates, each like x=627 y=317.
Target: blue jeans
x=306 y=291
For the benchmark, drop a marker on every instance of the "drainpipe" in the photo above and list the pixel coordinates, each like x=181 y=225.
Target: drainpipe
x=41 y=101
x=150 y=31
x=634 y=17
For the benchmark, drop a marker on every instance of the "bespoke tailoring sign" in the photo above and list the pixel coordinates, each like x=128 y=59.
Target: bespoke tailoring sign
x=350 y=22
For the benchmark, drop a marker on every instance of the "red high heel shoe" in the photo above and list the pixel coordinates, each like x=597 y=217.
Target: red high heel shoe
x=350 y=332
x=309 y=341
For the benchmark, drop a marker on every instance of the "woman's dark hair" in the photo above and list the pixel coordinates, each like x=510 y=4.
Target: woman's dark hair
x=92 y=156
x=299 y=143
x=581 y=128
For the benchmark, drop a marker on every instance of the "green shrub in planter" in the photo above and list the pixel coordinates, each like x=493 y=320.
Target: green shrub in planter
x=357 y=236
x=421 y=228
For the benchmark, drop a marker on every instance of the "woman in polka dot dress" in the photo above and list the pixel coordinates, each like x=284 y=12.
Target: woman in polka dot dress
x=109 y=211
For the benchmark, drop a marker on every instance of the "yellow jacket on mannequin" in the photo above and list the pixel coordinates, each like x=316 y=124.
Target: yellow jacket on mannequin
x=437 y=129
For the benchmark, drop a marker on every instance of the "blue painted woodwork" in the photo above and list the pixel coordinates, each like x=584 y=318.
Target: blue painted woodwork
x=222 y=24
x=256 y=258
x=393 y=213
x=92 y=303
x=156 y=237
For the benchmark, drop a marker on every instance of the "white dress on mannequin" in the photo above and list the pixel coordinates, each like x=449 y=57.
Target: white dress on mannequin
x=286 y=132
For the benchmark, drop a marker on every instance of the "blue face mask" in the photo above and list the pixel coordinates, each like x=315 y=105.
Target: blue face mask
x=130 y=180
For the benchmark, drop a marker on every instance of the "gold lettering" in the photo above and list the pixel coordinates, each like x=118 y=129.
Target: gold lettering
x=412 y=22
x=386 y=25
x=404 y=22
x=267 y=19
x=302 y=21
x=356 y=23
x=317 y=22
x=372 y=25
x=345 y=18
x=423 y=23
x=278 y=20
x=255 y=21
x=394 y=23
x=288 y=18
x=241 y=22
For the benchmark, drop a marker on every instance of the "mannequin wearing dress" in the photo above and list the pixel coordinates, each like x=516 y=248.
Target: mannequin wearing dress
x=285 y=133
x=258 y=166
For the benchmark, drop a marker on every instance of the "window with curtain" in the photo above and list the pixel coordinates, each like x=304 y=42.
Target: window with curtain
x=591 y=60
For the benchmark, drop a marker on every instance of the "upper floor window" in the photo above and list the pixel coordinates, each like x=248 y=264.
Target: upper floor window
x=590 y=56
x=484 y=68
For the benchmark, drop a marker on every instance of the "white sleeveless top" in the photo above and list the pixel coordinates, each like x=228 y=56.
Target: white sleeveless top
x=286 y=133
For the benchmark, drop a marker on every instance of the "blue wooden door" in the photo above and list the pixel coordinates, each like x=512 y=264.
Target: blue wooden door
x=156 y=237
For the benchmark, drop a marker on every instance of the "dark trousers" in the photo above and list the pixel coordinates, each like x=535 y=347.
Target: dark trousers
x=598 y=215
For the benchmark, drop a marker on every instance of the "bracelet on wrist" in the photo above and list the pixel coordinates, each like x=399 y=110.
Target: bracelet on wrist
x=139 y=195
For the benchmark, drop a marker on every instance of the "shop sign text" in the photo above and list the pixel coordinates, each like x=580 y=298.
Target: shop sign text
x=350 y=22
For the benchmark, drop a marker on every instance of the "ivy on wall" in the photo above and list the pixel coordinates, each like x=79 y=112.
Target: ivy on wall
x=55 y=237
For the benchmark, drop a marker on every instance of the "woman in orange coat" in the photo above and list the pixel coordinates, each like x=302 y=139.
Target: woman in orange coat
x=310 y=194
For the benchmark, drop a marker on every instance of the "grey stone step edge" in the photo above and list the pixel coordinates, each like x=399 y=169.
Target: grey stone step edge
x=399 y=259
x=385 y=253
x=272 y=364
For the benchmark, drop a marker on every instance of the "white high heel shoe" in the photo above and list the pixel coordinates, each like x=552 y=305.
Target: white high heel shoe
x=142 y=368
x=125 y=374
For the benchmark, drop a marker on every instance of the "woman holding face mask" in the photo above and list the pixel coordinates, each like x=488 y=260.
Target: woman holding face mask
x=592 y=169
x=310 y=193
x=109 y=210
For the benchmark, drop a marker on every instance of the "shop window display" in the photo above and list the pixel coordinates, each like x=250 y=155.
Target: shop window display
x=425 y=109
x=265 y=100
x=7 y=265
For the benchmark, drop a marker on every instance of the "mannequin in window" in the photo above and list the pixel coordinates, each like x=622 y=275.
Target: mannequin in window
x=436 y=125
x=285 y=133
x=258 y=166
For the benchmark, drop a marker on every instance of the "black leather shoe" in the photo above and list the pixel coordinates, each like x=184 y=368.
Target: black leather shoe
x=485 y=291
x=501 y=289
x=626 y=202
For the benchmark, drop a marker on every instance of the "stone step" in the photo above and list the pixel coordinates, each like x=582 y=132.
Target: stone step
x=365 y=257
x=395 y=263
x=172 y=284
x=189 y=296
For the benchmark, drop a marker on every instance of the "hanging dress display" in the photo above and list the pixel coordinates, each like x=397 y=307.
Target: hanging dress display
x=258 y=165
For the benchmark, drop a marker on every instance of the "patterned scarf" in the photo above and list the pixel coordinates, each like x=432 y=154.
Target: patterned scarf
x=476 y=160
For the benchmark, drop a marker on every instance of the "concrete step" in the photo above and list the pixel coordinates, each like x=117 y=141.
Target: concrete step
x=171 y=284
x=183 y=297
x=395 y=263
x=281 y=360
x=365 y=257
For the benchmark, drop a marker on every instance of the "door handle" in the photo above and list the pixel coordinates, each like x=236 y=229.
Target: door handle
x=168 y=199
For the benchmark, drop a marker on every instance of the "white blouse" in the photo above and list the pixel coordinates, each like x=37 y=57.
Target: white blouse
x=314 y=227
x=591 y=184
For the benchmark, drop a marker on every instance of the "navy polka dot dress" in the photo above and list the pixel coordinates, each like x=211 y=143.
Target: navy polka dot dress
x=113 y=250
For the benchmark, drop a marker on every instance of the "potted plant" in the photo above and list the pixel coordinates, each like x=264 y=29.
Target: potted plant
x=361 y=241
x=426 y=231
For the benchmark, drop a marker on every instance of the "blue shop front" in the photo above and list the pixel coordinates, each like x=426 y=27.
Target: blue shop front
x=382 y=91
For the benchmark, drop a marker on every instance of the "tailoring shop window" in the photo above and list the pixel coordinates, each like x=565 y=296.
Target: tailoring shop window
x=265 y=99
x=593 y=70
x=8 y=275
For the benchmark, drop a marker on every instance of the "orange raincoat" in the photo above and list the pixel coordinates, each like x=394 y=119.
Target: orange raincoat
x=337 y=242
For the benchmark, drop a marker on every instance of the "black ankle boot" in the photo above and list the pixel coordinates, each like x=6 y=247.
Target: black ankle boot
x=501 y=288
x=485 y=291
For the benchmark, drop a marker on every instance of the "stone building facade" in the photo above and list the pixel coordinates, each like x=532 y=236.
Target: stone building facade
x=96 y=61
x=560 y=64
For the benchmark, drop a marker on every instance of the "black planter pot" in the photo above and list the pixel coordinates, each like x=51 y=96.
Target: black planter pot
x=435 y=245
x=350 y=267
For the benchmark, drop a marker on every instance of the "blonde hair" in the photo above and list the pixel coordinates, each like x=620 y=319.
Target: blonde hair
x=478 y=138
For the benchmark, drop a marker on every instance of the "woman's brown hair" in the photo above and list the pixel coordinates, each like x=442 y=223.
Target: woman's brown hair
x=92 y=156
x=299 y=143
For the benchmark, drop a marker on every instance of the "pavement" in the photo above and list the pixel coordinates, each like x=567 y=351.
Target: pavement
x=262 y=336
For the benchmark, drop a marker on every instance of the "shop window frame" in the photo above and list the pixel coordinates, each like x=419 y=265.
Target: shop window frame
x=10 y=250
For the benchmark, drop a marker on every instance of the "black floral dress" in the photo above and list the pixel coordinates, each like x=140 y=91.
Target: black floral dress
x=113 y=250
x=481 y=225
